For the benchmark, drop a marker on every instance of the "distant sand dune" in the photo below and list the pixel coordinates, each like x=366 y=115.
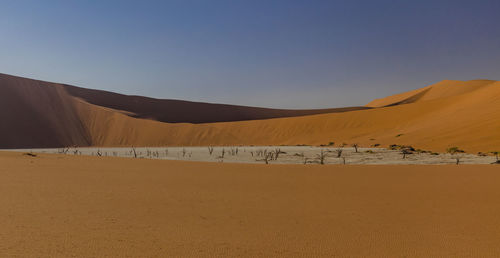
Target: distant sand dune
x=443 y=89
x=449 y=113
x=179 y=111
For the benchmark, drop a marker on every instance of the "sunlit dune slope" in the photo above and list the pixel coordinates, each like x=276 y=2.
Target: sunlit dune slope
x=469 y=120
x=443 y=89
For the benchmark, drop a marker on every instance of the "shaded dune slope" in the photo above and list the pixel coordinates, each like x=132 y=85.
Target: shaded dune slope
x=43 y=114
x=37 y=114
x=449 y=113
x=179 y=111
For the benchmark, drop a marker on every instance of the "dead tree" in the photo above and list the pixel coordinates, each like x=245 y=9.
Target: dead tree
x=355 y=147
x=321 y=157
x=454 y=151
x=277 y=152
x=405 y=152
x=266 y=158
x=496 y=153
x=339 y=152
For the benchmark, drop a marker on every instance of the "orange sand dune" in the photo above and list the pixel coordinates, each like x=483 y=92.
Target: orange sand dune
x=70 y=206
x=178 y=111
x=439 y=90
x=470 y=121
x=449 y=113
x=42 y=114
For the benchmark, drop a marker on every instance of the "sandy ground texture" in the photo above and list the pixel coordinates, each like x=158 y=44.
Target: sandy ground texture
x=287 y=155
x=65 y=206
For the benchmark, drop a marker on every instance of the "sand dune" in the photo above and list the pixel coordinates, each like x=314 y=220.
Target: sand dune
x=440 y=90
x=469 y=120
x=449 y=113
x=62 y=206
x=178 y=111
x=35 y=113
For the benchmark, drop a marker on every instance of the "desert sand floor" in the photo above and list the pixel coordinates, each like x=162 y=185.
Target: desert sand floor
x=64 y=206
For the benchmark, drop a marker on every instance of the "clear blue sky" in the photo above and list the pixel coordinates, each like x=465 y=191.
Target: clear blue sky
x=274 y=53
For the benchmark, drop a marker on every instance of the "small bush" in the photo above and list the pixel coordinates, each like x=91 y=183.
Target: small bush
x=454 y=150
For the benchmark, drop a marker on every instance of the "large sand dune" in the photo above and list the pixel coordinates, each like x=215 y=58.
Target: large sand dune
x=178 y=111
x=35 y=113
x=449 y=113
x=62 y=206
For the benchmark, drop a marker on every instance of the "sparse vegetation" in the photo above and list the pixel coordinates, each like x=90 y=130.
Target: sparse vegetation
x=63 y=150
x=454 y=151
x=406 y=151
x=277 y=152
x=355 y=147
x=234 y=151
x=321 y=157
x=339 y=152
x=307 y=155
x=268 y=156
x=496 y=153
x=401 y=147
x=31 y=154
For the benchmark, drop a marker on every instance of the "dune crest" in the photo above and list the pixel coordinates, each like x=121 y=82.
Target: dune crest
x=442 y=89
